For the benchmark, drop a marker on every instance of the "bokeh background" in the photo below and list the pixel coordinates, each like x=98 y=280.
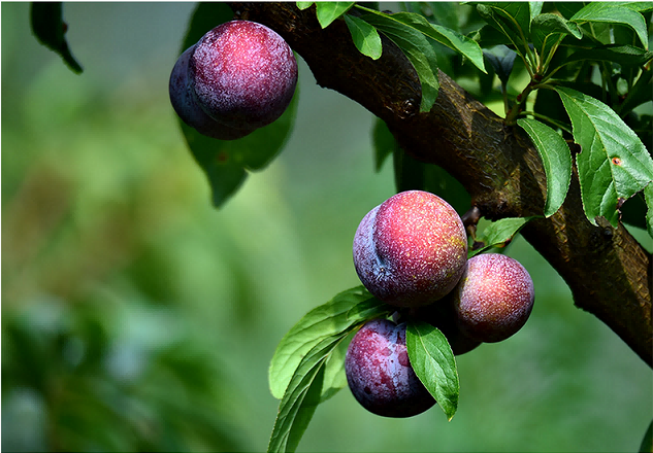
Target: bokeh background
x=135 y=316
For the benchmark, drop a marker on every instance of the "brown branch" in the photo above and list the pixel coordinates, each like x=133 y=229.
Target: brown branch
x=608 y=272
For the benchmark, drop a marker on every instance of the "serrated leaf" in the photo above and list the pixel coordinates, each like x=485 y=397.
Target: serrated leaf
x=498 y=234
x=46 y=19
x=366 y=39
x=327 y=12
x=605 y=12
x=460 y=43
x=556 y=159
x=416 y=48
x=433 y=362
x=304 y=5
x=332 y=320
x=548 y=28
x=613 y=164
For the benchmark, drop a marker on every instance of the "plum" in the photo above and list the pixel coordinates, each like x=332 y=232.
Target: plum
x=184 y=104
x=379 y=373
x=443 y=316
x=243 y=74
x=410 y=250
x=494 y=297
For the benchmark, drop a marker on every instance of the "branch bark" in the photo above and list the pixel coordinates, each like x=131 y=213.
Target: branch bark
x=609 y=273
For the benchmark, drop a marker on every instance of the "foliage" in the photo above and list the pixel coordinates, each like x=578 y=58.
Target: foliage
x=586 y=74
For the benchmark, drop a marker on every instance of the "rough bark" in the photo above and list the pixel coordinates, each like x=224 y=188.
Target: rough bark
x=608 y=272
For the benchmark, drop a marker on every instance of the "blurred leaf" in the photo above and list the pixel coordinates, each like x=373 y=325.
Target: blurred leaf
x=416 y=48
x=498 y=234
x=206 y=16
x=327 y=12
x=304 y=5
x=49 y=29
x=556 y=158
x=613 y=164
x=648 y=196
x=606 y=12
x=383 y=141
x=502 y=60
x=331 y=321
x=647 y=442
x=625 y=55
x=366 y=38
x=641 y=92
x=434 y=364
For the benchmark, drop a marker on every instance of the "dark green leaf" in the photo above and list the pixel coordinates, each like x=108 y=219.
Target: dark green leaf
x=366 y=38
x=333 y=321
x=416 y=48
x=648 y=196
x=606 y=12
x=548 y=28
x=640 y=93
x=383 y=141
x=647 y=442
x=625 y=55
x=206 y=16
x=498 y=234
x=510 y=18
x=456 y=41
x=327 y=12
x=613 y=164
x=334 y=372
x=556 y=159
x=502 y=60
x=49 y=29
x=433 y=362
x=304 y=5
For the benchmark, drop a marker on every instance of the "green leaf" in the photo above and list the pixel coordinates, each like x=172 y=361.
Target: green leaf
x=625 y=55
x=383 y=141
x=49 y=29
x=206 y=16
x=548 y=28
x=334 y=372
x=556 y=158
x=460 y=43
x=366 y=38
x=304 y=5
x=498 y=234
x=433 y=362
x=642 y=7
x=605 y=12
x=512 y=19
x=416 y=48
x=502 y=60
x=613 y=164
x=327 y=12
x=648 y=197
x=333 y=321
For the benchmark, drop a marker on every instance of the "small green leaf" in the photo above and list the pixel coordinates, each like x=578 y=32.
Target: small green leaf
x=556 y=158
x=606 y=12
x=49 y=29
x=327 y=12
x=613 y=164
x=304 y=5
x=366 y=38
x=416 y=48
x=512 y=19
x=548 y=28
x=332 y=320
x=498 y=234
x=648 y=197
x=433 y=362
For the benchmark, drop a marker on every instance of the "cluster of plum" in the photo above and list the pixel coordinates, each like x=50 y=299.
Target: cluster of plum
x=238 y=77
x=411 y=252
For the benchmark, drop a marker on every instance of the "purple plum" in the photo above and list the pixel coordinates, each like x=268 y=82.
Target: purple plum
x=410 y=250
x=494 y=297
x=379 y=373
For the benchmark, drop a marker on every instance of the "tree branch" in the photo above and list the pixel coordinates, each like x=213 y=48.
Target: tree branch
x=608 y=272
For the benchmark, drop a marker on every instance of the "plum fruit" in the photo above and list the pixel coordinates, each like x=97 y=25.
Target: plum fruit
x=243 y=74
x=443 y=316
x=410 y=250
x=379 y=373
x=494 y=297
x=184 y=104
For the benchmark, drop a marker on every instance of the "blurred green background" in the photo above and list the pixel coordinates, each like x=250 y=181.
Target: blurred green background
x=137 y=317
